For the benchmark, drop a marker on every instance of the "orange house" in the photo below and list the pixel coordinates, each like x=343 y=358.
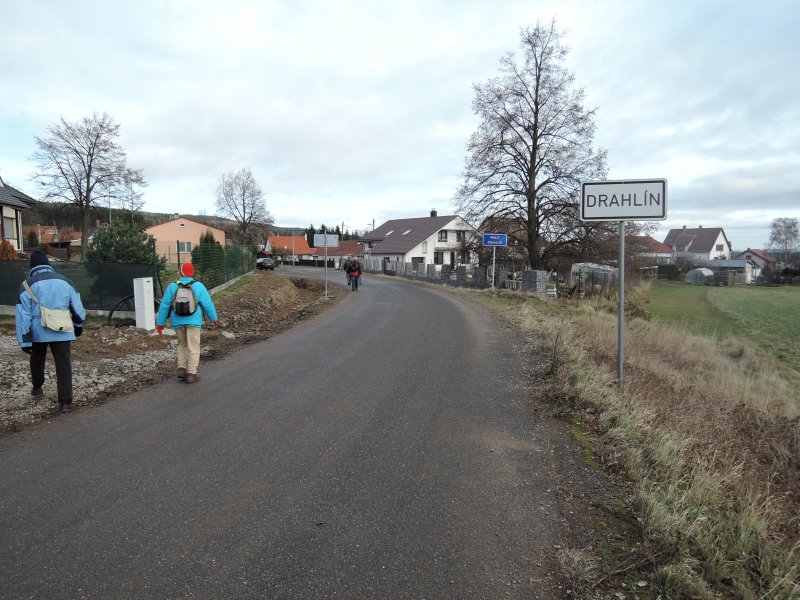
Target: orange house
x=176 y=238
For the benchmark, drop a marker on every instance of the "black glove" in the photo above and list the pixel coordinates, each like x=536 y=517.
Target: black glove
x=26 y=349
x=78 y=331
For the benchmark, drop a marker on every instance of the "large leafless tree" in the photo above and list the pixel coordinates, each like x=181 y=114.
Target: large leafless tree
x=784 y=236
x=81 y=163
x=532 y=148
x=239 y=197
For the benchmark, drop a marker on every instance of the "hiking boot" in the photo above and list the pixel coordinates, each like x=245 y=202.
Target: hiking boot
x=38 y=391
x=191 y=377
x=181 y=373
x=65 y=407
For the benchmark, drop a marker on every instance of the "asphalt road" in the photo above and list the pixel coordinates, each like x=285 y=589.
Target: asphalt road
x=384 y=449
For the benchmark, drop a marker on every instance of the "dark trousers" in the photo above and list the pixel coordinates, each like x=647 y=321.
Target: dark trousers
x=63 y=358
x=354 y=281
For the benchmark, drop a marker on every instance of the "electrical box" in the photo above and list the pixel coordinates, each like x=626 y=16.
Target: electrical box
x=144 y=302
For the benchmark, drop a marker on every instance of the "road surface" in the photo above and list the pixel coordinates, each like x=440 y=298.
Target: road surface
x=385 y=449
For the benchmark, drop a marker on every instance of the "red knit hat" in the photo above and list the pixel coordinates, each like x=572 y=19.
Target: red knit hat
x=187 y=270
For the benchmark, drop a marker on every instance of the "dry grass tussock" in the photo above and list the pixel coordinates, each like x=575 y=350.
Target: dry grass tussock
x=709 y=434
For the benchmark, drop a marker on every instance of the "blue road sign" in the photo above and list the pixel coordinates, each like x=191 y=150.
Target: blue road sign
x=495 y=239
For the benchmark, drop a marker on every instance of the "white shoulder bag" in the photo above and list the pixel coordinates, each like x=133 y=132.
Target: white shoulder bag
x=57 y=320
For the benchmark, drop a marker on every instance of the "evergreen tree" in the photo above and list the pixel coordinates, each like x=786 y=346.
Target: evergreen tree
x=33 y=241
x=121 y=242
x=208 y=258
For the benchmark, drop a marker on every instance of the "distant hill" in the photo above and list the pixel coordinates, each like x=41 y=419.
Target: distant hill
x=66 y=217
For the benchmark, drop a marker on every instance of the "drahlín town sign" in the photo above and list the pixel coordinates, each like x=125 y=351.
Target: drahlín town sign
x=625 y=200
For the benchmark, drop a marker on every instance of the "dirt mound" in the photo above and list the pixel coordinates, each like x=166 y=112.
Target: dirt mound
x=109 y=360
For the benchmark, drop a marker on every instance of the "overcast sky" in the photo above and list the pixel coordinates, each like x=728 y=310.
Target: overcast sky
x=349 y=112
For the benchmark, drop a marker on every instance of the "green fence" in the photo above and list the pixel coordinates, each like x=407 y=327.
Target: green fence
x=103 y=286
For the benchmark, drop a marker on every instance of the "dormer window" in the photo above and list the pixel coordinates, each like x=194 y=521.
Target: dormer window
x=388 y=233
x=407 y=232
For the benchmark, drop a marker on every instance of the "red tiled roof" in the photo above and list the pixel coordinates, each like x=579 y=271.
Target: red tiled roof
x=645 y=243
x=345 y=248
x=46 y=234
x=279 y=241
x=760 y=254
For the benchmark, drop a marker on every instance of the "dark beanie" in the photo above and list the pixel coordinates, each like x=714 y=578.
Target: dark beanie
x=38 y=258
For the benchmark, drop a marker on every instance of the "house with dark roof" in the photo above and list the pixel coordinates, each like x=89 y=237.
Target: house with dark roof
x=12 y=204
x=702 y=243
x=764 y=261
x=431 y=240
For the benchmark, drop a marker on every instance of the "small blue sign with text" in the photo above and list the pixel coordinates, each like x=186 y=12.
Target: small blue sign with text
x=495 y=239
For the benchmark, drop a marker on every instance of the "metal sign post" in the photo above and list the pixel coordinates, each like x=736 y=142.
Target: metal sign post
x=621 y=308
x=623 y=200
x=494 y=240
x=494 y=256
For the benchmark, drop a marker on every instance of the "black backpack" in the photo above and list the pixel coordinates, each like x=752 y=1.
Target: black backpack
x=184 y=304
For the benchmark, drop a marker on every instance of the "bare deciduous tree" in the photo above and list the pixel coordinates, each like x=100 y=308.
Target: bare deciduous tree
x=533 y=147
x=82 y=164
x=130 y=199
x=783 y=236
x=239 y=197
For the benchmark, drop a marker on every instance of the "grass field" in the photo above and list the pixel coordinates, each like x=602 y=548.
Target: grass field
x=707 y=427
x=766 y=317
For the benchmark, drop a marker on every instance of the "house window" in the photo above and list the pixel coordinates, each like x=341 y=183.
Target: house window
x=719 y=247
x=184 y=246
x=9 y=228
x=438 y=258
x=425 y=247
x=459 y=236
x=465 y=256
x=443 y=235
x=181 y=224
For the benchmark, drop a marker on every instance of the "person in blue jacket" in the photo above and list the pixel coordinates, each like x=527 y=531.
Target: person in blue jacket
x=55 y=292
x=187 y=327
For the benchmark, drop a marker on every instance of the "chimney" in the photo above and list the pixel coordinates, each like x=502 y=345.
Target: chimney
x=684 y=227
x=433 y=212
x=699 y=226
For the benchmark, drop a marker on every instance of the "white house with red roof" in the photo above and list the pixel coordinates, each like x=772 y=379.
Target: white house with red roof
x=764 y=261
x=287 y=246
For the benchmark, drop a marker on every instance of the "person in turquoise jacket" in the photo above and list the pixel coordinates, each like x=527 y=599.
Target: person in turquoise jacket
x=53 y=291
x=187 y=327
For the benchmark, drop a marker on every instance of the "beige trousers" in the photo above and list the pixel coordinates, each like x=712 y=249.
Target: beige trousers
x=188 y=348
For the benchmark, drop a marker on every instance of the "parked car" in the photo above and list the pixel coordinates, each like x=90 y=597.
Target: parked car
x=265 y=262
